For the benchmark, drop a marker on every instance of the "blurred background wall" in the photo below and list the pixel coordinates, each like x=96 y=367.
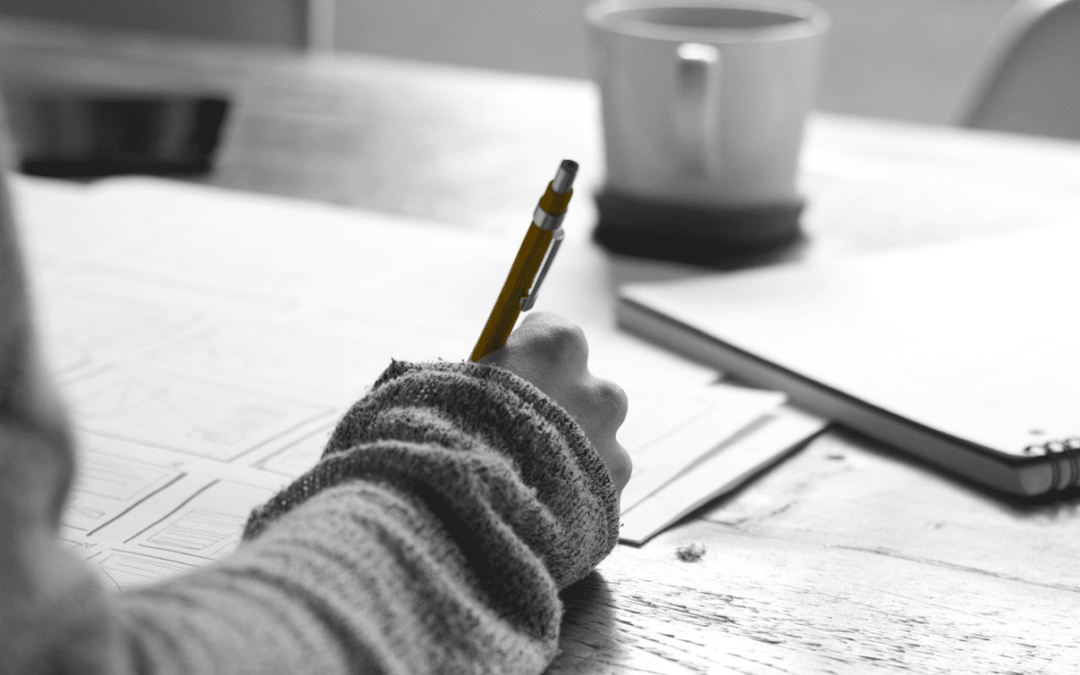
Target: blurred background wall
x=275 y=22
x=903 y=59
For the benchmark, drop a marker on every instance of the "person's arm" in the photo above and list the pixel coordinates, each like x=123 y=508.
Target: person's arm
x=454 y=502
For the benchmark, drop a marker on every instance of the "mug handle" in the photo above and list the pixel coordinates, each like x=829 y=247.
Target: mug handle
x=697 y=106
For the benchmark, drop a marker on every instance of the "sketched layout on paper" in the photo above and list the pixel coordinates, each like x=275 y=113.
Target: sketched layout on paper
x=208 y=525
x=80 y=328
x=299 y=456
x=61 y=358
x=76 y=543
x=126 y=569
x=107 y=486
x=332 y=364
x=174 y=412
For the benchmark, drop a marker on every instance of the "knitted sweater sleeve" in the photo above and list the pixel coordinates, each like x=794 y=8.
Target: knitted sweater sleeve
x=451 y=505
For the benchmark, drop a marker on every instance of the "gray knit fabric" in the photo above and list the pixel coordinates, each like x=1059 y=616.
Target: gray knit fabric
x=452 y=503
x=507 y=467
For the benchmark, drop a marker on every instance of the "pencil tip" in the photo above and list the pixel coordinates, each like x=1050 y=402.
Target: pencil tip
x=564 y=177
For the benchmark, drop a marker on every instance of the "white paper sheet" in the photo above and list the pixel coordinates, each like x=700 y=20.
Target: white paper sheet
x=207 y=341
x=727 y=466
x=674 y=431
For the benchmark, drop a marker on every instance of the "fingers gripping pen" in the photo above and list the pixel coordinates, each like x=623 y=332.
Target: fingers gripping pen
x=543 y=239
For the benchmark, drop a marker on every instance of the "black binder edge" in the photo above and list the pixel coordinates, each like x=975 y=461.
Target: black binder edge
x=1022 y=476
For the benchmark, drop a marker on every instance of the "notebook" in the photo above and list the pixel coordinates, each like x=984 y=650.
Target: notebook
x=964 y=354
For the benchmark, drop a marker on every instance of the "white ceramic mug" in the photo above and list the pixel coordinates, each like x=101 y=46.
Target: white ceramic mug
x=704 y=101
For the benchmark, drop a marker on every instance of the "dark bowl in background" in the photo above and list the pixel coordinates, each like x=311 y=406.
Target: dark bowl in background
x=88 y=134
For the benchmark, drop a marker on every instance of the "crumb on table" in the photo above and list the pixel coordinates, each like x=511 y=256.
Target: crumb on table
x=690 y=553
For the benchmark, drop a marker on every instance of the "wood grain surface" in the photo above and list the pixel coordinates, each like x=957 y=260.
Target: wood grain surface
x=847 y=558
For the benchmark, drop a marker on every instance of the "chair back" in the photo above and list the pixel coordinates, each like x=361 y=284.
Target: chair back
x=1029 y=79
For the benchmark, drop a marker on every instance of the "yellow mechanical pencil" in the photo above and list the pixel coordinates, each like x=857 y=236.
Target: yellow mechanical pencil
x=543 y=238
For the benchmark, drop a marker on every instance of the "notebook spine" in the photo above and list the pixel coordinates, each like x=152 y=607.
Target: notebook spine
x=1064 y=458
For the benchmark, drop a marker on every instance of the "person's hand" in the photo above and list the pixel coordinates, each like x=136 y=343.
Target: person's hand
x=551 y=353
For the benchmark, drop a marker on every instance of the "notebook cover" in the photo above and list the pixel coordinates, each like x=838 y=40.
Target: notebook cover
x=967 y=354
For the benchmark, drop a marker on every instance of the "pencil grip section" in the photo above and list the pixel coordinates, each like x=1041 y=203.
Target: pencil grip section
x=508 y=306
x=553 y=202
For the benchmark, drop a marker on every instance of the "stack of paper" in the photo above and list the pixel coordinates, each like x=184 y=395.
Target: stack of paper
x=207 y=341
x=691 y=466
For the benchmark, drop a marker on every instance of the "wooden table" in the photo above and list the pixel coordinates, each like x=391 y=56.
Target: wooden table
x=848 y=558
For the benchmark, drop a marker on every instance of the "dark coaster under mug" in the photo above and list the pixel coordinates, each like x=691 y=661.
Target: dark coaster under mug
x=667 y=231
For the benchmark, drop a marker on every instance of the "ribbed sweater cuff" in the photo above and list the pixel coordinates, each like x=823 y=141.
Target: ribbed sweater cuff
x=501 y=462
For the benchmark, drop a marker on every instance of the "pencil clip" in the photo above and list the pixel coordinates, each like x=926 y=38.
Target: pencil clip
x=556 y=240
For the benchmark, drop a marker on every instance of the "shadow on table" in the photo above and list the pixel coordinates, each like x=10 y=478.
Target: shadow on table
x=588 y=627
x=1060 y=502
x=843 y=471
